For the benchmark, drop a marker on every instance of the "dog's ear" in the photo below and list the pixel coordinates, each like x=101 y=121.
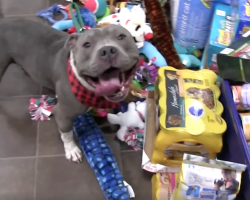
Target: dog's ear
x=71 y=41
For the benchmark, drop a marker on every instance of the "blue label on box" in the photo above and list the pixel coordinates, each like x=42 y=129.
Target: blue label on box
x=193 y=191
x=207 y=193
x=243 y=27
x=244 y=18
x=222 y=33
x=244 y=9
x=222 y=30
x=193 y=22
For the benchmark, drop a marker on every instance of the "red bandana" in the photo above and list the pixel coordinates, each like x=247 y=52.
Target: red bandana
x=86 y=96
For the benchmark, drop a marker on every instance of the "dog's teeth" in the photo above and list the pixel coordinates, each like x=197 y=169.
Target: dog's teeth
x=119 y=94
x=121 y=91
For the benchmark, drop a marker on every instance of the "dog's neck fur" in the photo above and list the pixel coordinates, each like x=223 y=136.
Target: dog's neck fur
x=80 y=79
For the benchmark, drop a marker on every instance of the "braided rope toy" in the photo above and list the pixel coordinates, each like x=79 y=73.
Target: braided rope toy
x=41 y=109
x=162 y=35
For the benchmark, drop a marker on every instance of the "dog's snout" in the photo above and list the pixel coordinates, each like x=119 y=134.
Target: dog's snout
x=108 y=52
x=113 y=50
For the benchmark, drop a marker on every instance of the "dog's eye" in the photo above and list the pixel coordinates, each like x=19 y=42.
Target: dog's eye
x=121 y=37
x=86 y=44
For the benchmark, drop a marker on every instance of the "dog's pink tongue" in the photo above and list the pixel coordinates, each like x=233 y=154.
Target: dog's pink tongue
x=109 y=83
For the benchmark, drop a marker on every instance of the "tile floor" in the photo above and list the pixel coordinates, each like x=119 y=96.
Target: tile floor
x=32 y=164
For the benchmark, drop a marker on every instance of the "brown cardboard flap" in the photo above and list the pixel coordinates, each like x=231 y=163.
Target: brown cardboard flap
x=151 y=130
x=150 y=133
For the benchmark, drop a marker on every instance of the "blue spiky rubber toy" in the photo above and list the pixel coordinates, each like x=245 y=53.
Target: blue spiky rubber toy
x=100 y=158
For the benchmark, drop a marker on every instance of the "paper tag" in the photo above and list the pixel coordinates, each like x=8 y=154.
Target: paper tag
x=246 y=34
x=221 y=13
x=154 y=168
x=157 y=168
x=130 y=189
x=227 y=51
x=214 y=58
x=46 y=112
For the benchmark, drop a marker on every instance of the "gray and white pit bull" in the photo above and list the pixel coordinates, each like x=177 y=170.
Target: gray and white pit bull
x=43 y=53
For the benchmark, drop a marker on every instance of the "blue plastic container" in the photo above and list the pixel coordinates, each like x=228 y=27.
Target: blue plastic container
x=235 y=147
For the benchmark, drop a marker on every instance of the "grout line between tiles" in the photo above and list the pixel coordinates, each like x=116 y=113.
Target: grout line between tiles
x=48 y=4
x=1 y=11
x=31 y=157
x=37 y=138
x=36 y=161
x=26 y=15
x=41 y=90
x=22 y=96
x=121 y=170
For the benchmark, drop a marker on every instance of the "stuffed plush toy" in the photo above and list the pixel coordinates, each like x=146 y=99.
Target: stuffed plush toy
x=131 y=20
x=111 y=19
x=186 y=56
x=134 y=21
x=133 y=118
x=88 y=18
x=130 y=5
x=97 y=7
x=162 y=33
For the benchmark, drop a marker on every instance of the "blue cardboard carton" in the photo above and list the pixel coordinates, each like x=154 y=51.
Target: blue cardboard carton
x=221 y=35
x=244 y=18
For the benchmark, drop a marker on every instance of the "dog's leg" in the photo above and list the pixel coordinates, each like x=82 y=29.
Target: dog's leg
x=65 y=124
x=72 y=152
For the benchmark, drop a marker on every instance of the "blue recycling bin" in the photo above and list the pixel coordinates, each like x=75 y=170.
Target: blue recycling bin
x=235 y=147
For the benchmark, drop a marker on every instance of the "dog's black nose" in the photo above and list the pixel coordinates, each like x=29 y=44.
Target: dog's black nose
x=108 y=52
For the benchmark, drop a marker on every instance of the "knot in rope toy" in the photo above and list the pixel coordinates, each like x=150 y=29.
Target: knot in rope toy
x=41 y=109
x=134 y=138
x=51 y=11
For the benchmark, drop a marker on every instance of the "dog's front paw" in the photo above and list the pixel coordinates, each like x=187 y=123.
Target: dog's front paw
x=73 y=153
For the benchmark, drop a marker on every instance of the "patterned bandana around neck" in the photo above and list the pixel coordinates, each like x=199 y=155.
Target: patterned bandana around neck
x=85 y=96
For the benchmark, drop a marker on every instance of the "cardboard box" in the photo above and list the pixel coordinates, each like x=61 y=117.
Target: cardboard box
x=151 y=130
x=234 y=61
x=244 y=18
x=222 y=34
x=163 y=185
x=243 y=27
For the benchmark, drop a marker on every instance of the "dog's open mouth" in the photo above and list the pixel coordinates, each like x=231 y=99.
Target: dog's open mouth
x=113 y=84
